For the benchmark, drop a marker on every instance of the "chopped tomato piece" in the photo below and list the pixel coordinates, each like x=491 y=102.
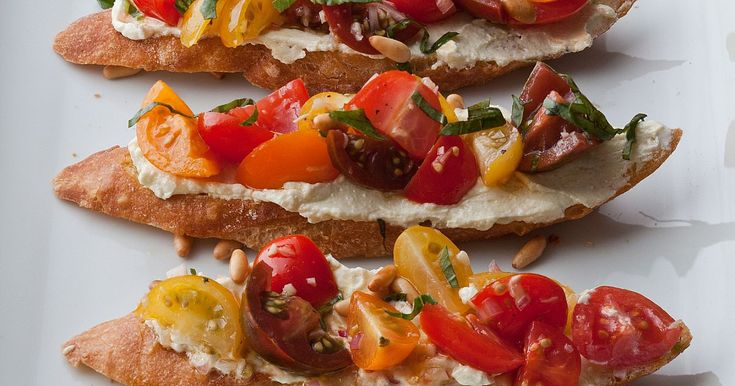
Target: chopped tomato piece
x=551 y=358
x=279 y=110
x=426 y=11
x=387 y=101
x=319 y=104
x=296 y=260
x=194 y=25
x=226 y=136
x=469 y=344
x=542 y=81
x=300 y=156
x=244 y=20
x=498 y=151
x=164 y=10
x=378 y=340
x=520 y=12
x=622 y=328
x=448 y=172
x=171 y=141
x=511 y=303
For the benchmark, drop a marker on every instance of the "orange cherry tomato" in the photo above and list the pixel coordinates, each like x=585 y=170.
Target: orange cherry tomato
x=171 y=141
x=299 y=156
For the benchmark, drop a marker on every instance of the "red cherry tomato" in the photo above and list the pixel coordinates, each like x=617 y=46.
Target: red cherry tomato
x=553 y=11
x=279 y=110
x=470 y=344
x=490 y=10
x=545 y=11
x=164 y=10
x=227 y=138
x=551 y=358
x=448 y=172
x=510 y=304
x=542 y=81
x=426 y=11
x=622 y=328
x=296 y=260
x=387 y=103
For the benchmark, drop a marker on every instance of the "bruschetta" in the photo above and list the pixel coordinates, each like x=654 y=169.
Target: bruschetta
x=353 y=171
x=336 y=46
x=298 y=317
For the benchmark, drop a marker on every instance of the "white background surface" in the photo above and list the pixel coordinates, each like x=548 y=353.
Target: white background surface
x=65 y=269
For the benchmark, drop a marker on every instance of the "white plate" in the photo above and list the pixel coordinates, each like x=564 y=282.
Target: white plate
x=66 y=269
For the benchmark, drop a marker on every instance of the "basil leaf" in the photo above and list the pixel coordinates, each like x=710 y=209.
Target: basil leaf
x=357 y=120
x=481 y=116
x=232 y=105
x=430 y=49
x=383 y=341
x=630 y=134
x=252 y=119
x=428 y=109
x=446 y=265
x=401 y=25
x=209 y=9
x=282 y=5
x=106 y=4
x=517 y=113
x=418 y=305
x=147 y=109
x=405 y=67
x=192 y=271
x=330 y=304
x=183 y=5
x=396 y=297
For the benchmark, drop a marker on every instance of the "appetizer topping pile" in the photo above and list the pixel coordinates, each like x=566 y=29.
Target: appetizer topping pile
x=525 y=326
x=397 y=134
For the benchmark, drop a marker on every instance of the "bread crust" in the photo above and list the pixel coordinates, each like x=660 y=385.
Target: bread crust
x=106 y=182
x=126 y=350
x=92 y=40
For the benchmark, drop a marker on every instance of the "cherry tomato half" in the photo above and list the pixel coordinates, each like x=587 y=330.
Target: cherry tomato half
x=551 y=358
x=279 y=110
x=448 y=172
x=510 y=304
x=622 y=328
x=296 y=260
x=226 y=136
x=426 y=11
x=387 y=101
x=469 y=344
x=164 y=10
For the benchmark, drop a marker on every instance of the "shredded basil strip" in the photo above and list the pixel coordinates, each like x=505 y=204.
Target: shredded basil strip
x=418 y=305
x=396 y=297
x=446 y=265
x=106 y=4
x=282 y=5
x=401 y=25
x=252 y=119
x=383 y=341
x=516 y=116
x=430 y=49
x=192 y=271
x=428 y=109
x=209 y=9
x=183 y=5
x=481 y=116
x=232 y=105
x=326 y=309
x=357 y=119
x=147 y=109
x=630 y=134
x=405 y=67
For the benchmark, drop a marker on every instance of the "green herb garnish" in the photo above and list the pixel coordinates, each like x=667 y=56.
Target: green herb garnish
x=446 y=265
x=582 y=113
x=193 y=271
x=396 y=297
x=427 y=48
x=232 y=105
x=517 y=114
x=147 y=109
x=405 y=67
x=481 y=116
x=357 y=119
x=630 y=134
x=325 y=309
x=418 y=305
x=282 y=5
x=209 y=9
x=428 y=109
x=183 y=5
x=106 y=4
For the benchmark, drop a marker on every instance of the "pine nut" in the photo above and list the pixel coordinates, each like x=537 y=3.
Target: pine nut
x=383 y=279
x=530 y=252
x=118 y=72
x=182 y=245
x=404 y=286
x=342 y=307
x=455 y=101
x=224 y=248
x=324 y=122
x=391 y=48
x=239 y=266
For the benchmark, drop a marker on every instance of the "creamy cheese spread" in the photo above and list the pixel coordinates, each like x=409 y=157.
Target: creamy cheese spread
x=478 y=40
x=539 y=198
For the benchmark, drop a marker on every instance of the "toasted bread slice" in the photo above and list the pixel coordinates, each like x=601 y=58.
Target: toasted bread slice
x=92 y=40
x=106 y=182
x=127 y=351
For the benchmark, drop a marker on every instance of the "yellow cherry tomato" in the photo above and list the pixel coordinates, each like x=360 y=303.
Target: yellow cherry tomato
x=244 y=20
x=193 y=24
x=484 y=279
x=417 y=258
x=319 y=104
x=379 y=340
x=498 y=151
x=198 y=308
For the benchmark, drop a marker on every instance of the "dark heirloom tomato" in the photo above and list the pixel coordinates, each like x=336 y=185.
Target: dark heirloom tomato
x=542 y=81
x=296 y=260
x=285 y=330
x=469 y=344
x=164 y=10
x=448 y=172
x=227 y=138
x=622 y=328
x=370 y=162
x=387 y=101
x=510 y=304
x=426 y=11
x=551 y=358
x=553 y=11
x=303 y=13
x=279 y=110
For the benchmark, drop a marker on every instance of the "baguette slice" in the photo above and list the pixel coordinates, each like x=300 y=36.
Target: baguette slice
x=127 y=351
x=92 y=40
x=106 y=182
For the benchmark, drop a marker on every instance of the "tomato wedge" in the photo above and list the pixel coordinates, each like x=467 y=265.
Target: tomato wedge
x=163 y=10
x=469 y=344
x=426 y=11
x=387 y=101
x=226 y=136
x=622 y=328
x=296 y=260
x=551 y=358
x=523 y=12
x=279 y=110
x=511 y=303
x=542 y=81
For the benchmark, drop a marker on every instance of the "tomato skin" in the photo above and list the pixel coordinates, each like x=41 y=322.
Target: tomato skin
x=553 y=11
x=551 y=358
x=448 y=172
x=164 y=10
x=511 y=303
x=546 y=11
x=279 y=110
x=387 y=102
x=622 y=328
x=471 y=346
x=342 y=17
x=227 y=138
x=542 y=81
x=490 y=10
x=296 y=260
x=426 y=11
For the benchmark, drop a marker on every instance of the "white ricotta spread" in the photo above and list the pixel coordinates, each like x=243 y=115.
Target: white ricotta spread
x=466 y=375
x=467 y=293
x=478 y=40
x=539 y=198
